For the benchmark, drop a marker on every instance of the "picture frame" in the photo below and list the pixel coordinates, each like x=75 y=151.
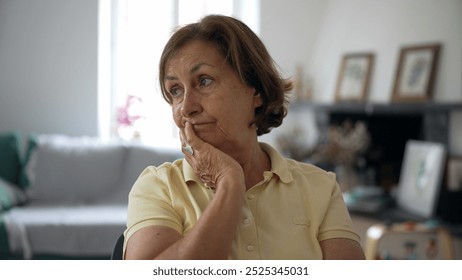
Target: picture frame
x=421 y=177
x=415 y=73
x=354 y=77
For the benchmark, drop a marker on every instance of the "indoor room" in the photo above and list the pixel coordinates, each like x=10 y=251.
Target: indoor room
x=376 y=99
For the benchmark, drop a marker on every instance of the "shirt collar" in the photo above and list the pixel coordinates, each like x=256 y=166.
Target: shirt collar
x=189 y=174
x=278 y=163
x=278 y=166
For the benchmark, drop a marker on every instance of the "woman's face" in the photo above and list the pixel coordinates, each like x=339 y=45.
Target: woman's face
x=206 y=92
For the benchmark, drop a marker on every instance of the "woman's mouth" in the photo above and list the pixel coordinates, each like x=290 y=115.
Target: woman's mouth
x=203 y=126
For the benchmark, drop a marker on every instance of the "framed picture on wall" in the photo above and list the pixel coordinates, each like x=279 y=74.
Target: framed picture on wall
x=416 y=72
x=354 y=77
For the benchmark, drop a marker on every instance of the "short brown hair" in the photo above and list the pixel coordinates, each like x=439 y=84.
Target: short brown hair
x=248 y=57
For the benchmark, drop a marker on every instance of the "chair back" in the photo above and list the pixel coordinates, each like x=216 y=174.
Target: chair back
x=117 y=252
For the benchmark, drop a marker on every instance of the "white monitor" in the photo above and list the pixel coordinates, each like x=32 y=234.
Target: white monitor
x=421 y=177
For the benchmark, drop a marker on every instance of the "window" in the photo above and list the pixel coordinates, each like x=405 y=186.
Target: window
x=131 y=105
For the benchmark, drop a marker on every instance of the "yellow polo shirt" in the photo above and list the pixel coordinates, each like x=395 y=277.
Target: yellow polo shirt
x=284 y=216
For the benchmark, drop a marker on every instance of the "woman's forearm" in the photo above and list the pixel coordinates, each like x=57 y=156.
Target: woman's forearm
x=212 y=236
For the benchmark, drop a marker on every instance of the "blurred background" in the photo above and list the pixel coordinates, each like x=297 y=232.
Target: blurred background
x=89 y=68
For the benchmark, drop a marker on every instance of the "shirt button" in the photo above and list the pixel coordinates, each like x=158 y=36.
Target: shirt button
x=246 y=221
x=251 y=196
x=250 y=248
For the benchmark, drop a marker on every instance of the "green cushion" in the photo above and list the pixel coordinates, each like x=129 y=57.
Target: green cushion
x=23 y=180
x=10 y=195
x=10 y=160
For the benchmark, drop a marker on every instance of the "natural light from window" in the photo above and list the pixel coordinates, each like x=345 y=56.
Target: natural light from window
x=142 y=28
x=133 y=108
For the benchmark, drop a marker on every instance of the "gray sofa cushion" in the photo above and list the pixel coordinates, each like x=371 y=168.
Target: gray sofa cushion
x=138 y=158
x=68 y=231
x=80 y=170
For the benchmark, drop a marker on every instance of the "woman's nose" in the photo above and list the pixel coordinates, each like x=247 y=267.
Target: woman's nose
x=191 y=104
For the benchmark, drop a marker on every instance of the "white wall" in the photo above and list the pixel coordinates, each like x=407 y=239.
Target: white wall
x=289 y=28
x=48 y=66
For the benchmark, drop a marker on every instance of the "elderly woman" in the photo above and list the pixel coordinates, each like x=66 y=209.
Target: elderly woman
x=232 y=197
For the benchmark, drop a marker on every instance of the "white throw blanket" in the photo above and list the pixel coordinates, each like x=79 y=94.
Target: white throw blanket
x=70 y=230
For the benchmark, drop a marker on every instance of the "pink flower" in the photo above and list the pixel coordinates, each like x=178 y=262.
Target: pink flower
x=129 y=112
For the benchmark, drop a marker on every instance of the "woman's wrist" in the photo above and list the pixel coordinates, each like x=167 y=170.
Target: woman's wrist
x=232 y=180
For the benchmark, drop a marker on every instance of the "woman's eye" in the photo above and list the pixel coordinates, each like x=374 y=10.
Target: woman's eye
x=204 y=81
x=175 y=91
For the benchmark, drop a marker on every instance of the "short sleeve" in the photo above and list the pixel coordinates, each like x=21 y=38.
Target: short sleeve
x=150 y=202
x=336 y=222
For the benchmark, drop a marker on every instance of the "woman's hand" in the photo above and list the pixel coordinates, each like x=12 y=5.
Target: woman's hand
x=210 y=164
x=213 y=234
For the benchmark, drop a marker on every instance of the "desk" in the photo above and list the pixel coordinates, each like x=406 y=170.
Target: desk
x=362 y=223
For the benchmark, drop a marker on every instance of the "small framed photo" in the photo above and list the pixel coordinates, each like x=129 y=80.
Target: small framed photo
x=354 y=77
x=416 y=72
x=421 y=177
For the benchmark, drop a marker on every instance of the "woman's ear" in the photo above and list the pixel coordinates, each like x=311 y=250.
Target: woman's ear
x=257 y=101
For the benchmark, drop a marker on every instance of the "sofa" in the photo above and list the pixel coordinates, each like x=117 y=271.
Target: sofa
x=65 y=197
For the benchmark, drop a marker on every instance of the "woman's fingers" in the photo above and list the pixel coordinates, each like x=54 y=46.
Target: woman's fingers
x=189 y=140
x=208 y=162
x=197 y=153
x=190 y=135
